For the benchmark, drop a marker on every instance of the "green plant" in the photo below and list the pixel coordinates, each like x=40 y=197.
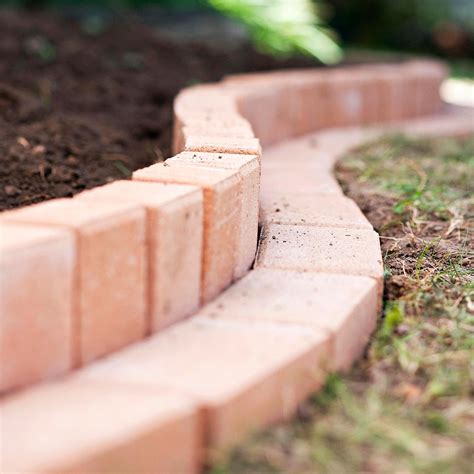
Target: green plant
x=284 y=26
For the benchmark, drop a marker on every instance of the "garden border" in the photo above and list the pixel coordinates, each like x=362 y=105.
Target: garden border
x=250 y=355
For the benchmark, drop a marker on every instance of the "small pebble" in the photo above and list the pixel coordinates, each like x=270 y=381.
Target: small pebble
x=72 y=160
x=11 y=190
x=23 y=142
x=38 y=149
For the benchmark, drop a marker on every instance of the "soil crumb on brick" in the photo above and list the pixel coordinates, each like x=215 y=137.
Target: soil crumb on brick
x=88 y=100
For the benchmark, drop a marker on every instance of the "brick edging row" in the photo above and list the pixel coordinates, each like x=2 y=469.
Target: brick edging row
x=86 y=276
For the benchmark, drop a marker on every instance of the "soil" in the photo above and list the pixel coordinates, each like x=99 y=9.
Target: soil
x=86 y=101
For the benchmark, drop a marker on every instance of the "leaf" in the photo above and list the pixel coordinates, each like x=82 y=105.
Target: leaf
x=284 y=27
x=394 y=315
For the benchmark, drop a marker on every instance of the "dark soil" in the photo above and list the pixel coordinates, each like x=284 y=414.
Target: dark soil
x=87 y=101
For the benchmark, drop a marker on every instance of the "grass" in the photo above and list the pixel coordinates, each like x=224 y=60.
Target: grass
x=408 y=405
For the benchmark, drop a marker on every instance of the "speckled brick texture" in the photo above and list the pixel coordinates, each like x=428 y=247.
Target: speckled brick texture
x=174 y=229
x=304 y=248
x=110 y=270
x=36 y=303
x=77 y=426
x=222 y=209
x=245 y=374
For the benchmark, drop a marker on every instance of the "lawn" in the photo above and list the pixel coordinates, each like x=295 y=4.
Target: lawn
x=408 y=405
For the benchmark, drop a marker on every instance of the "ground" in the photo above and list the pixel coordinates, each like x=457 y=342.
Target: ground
x=408 y=405
x=86 y=99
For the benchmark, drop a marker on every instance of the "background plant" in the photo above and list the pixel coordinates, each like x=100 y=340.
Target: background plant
x=284 y=26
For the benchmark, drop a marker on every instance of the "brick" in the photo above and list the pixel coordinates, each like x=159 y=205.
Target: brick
x=325 y=210
x=313 y=102
x=457 y=123
x=336 y=142
x=221 y=124
x=79 y=427
x=267 y=108
x=206 y=129
x=297 y=178
x=221 y=217
x=201 y=103
x=174 y=244
x=304 y=151
x=397 y=91
x=321 y=249
x=249 y=173
x=428 y=77
x=232 y=120
x=244 y=374
x=36 y=279
x=109 y=310
x=345 y=306
x=203 y=98
x=353 y=99
x=220 y=144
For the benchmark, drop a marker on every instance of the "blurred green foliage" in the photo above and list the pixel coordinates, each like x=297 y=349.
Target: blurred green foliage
x=284 y=26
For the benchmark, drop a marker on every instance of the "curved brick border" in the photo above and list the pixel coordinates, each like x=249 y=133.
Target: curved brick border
x=120 y=262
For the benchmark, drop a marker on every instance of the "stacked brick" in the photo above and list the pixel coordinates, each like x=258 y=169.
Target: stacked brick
x=166 y=256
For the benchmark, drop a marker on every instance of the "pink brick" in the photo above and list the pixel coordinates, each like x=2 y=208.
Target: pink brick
x=297 y=178
x=80 y=427
x=202 y=103
x=110 y=310
x=303 y=151
x=218 y=124
x=321 y=249
x=221 y=217
x=455 y=123
x=336 y=142
x=311 y=95
x=174 y=244
x=220 y=144
x=245 y=374
x=397 y=92
x=345 y=306
x=218 y=128
x=325 y=210
x=36 y=278
x=428 y=77
x=249 y=173
x=353 y=99
x=203 y=98
x=267 y=107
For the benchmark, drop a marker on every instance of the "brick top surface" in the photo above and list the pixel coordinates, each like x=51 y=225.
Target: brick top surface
x=146 y=193
x=211 y=360
x=49 y=426
x=224 y=160
x=172 y=172
x=73 y=213
x=16 y=236
x=318 y=299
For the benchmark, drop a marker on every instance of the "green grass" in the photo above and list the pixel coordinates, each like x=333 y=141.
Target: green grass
x=408 y=405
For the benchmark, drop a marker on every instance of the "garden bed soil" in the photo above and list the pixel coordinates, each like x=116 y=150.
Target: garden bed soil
x=86 y=101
